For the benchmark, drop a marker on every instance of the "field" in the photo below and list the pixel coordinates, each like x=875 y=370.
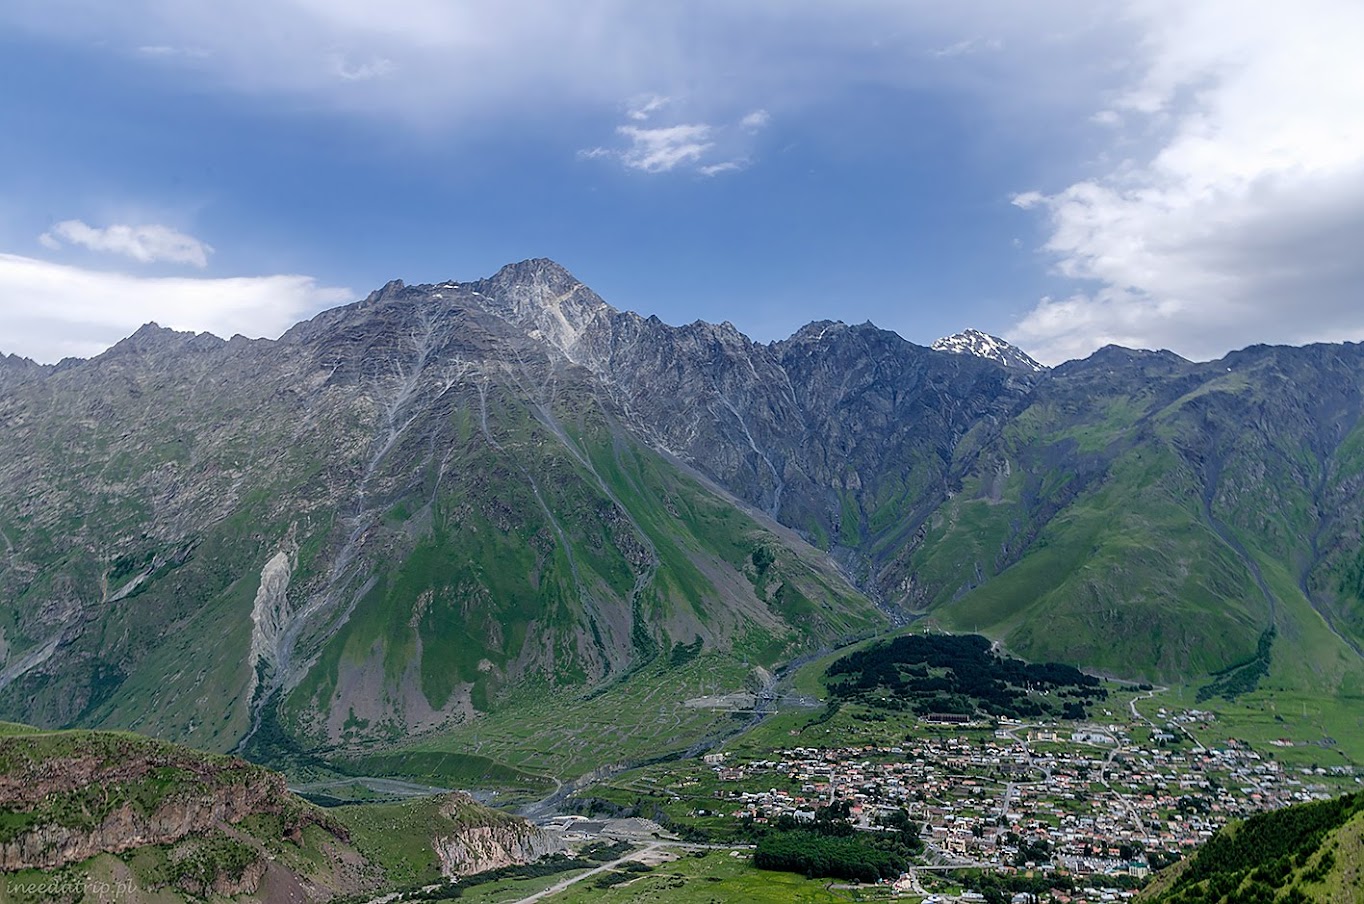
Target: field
x=565 y=735
x=508 y=891
x=717 y=876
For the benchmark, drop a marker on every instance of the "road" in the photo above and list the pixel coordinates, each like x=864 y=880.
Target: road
x=1136 y=713
x=560 y=886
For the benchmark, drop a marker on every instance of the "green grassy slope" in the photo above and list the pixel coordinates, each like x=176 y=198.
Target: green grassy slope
x=1307 y=852
x=1187 y=512
x=561 y=557
x=222 y=827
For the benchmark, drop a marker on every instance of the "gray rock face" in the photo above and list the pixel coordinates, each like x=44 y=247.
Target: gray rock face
x=204 y=793
x=15 y=370
x=478 y=839
x=847 y=434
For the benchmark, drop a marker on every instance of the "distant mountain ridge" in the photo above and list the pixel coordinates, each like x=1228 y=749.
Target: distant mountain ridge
x=409 y=511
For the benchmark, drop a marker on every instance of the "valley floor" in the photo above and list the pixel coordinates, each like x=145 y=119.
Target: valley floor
x=1096 y=805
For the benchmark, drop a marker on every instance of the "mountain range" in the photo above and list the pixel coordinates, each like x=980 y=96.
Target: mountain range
x=453 y=500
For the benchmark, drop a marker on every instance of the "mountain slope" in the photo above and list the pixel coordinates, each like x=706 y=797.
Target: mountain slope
x=121 y=816
x=1306 y=852
x=98 y=811
x=384 y=522
x=1190 y=509
x=412 y=520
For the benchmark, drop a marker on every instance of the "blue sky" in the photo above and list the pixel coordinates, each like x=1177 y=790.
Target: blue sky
x=1176 y=175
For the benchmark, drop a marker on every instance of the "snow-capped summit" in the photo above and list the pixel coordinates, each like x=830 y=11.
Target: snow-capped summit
x=991 y=348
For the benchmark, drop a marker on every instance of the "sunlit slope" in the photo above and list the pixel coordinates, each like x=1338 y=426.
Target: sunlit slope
x=1157 y=519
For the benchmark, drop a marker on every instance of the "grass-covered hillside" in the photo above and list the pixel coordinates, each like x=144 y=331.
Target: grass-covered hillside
x=1311 y=852
x=1156 y=519
x=93 y=816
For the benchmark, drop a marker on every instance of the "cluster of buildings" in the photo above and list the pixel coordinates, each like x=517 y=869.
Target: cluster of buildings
x=1086 y=800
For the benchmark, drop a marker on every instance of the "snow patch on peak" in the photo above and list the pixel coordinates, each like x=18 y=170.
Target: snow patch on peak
x=991 y=348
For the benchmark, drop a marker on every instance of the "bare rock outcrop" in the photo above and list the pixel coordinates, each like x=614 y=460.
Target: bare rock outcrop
x=72 y=798
x=488 y=840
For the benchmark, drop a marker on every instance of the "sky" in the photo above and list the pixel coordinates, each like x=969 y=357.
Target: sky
x=1181 y=174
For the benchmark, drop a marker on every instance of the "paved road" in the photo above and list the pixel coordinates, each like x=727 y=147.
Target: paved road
x=560 y=886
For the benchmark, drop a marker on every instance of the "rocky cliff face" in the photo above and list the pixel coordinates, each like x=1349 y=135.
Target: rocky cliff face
x=482 y=848
x=197 y=825
x=71 y=797
x=484 y=840
x=51 y=845
x=471 y=839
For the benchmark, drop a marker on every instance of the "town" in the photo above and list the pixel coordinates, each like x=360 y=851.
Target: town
x=1076 y=799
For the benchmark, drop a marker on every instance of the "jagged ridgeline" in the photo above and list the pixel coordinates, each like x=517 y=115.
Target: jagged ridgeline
x=454 y=500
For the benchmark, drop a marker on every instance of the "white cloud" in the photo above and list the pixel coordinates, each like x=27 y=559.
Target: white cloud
x=512 y=58
x=49 y=311
x=168 y=52
x=1242 y=222
x=646 y=107
x=727 y=166
x=967 y=46
x=149 y=243
x=663 y=149
x=702 y=148
x=758 y=119
x=363 y=72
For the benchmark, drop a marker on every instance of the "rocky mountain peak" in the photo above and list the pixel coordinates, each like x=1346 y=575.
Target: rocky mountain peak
x=1117 y=357
x=991 y=348
x=538 y=271
x=152 y=337
x=546 y=300
x=15 y=370
x=18 y=363
x=815 y=331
